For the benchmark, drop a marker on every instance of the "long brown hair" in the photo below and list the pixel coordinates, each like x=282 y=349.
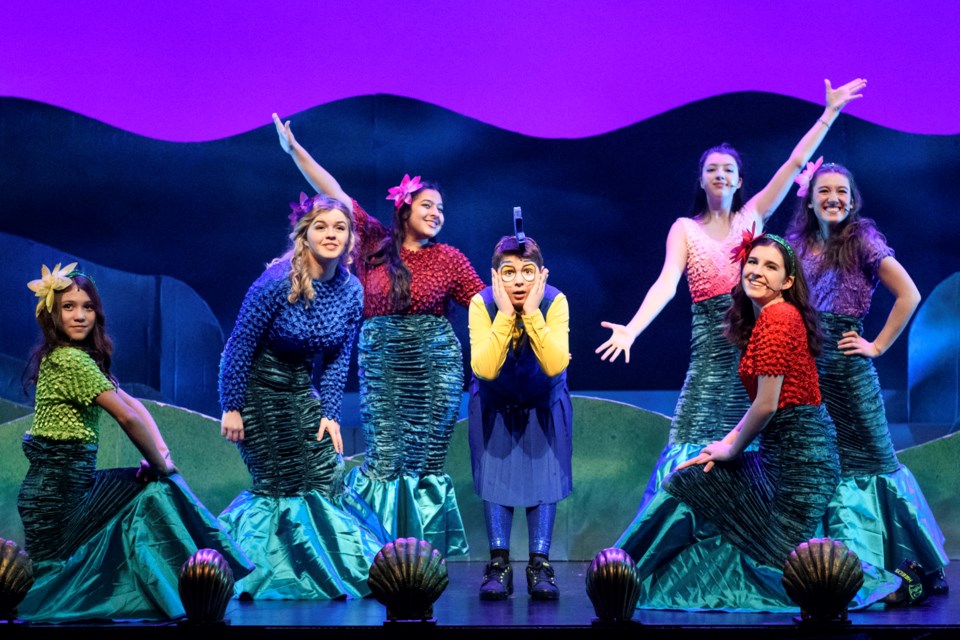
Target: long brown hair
x=845 y=248
x=739 y=320
x=97 y=344
x=388 y=251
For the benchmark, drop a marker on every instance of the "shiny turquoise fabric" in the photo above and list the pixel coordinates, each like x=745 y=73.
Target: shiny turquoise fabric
x=878 y=510
x=684 y=564
x=885 y=519
x=409 y=507
x=305 y=546
x=411 y=385
x=309 y=536
x=129 y=570
x=851 y=392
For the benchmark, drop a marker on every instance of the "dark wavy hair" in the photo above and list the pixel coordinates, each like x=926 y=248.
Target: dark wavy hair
x=508 y=246
x=97 y=343
x=844 y=248
x=700 y=196
x=739 y=320
x=388 y=251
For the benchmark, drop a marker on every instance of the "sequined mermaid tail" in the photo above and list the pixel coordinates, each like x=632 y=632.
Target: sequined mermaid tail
x=308 y=535
x=712 y=400
x=411 y=385
x=719 y=540
x=879 y=510
x=127 y=566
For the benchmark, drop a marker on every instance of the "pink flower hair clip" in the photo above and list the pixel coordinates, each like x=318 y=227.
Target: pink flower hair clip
x=806 y=175
x=404 y=192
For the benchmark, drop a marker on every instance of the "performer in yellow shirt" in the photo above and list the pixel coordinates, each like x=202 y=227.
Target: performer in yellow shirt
x=520 y=412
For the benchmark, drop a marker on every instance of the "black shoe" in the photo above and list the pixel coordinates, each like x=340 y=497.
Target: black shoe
x=541 y=583
x=938 y=583
x=912 y=589
x=497 y=581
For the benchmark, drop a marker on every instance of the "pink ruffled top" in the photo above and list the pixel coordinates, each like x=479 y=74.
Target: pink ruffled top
x=709 y=270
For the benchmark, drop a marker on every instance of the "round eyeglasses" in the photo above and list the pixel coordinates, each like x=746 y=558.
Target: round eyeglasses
x=508 y=272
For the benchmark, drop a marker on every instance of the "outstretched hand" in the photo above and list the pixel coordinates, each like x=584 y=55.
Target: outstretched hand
x=838 y=98
x=287 y=141
x=620 y=342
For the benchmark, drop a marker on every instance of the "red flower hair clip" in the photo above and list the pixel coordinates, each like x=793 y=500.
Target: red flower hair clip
x=738 y=255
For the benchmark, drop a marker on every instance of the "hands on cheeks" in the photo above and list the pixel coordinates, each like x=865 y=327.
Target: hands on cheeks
x=535 y=297
x=333 y=428
x=500 y=296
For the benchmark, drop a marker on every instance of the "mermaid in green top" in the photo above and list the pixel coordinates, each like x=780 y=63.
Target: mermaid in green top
x=107 y=543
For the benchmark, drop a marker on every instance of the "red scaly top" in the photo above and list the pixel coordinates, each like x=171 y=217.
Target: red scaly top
x=439 y=273
x=778 y=347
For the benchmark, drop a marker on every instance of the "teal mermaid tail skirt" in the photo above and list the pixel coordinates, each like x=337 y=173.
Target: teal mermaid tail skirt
x=879 y=510
x=685 y=564
x=128 y=568
x=307 y=534
x=424 y=508
x=712 y=399
x=305 y=546
x=411 y=386
x=851 y=392
x=885 y=519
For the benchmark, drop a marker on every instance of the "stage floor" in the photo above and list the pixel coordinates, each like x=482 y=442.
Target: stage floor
x=459 y=613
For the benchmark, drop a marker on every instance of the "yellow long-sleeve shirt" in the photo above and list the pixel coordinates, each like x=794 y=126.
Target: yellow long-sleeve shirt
x=490 y=340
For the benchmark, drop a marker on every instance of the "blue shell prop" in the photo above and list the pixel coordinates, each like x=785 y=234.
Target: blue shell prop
x=206 y=586
x=407 y=576
x=16 y=577
x=613 y=585
x=822 y=576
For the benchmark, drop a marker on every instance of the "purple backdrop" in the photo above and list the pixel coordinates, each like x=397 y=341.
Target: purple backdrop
x=192 y=71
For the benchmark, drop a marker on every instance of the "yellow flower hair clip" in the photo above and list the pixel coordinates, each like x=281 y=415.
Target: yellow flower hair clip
x=49 y=283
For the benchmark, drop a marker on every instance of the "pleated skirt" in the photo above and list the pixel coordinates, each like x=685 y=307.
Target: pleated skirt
x=411 y=386
x=878 y=510
x=106 y=546
x=308 y=535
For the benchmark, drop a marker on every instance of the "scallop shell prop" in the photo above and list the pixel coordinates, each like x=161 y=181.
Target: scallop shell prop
x=206 y=586
x=822 y=576
x=16 y=577
x=613 y=585
x=407 y=576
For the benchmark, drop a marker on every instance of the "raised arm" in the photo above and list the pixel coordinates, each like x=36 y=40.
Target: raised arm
x=318 y=177
x=766 y=201
x=659 y=294
x=907 y=298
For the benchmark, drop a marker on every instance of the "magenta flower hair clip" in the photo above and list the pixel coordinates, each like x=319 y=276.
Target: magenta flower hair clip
x=806 y=175
x=300 y=209
x=738 y=255
x=403 y=193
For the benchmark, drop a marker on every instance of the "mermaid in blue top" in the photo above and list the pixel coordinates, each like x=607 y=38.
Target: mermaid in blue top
x=309 y=536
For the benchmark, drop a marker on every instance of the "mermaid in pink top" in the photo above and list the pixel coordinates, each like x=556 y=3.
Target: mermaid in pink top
x=712 y=400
